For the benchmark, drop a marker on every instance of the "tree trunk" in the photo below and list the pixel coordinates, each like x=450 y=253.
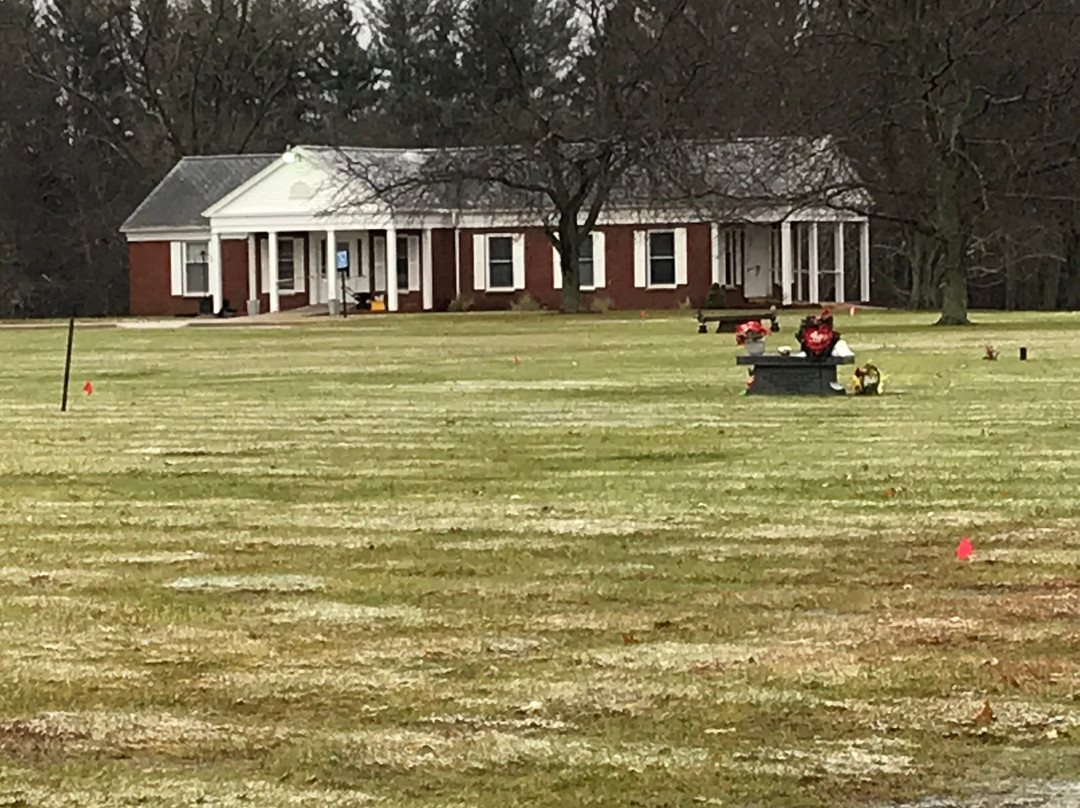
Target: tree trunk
x=1072 y=271
x=569 y=248
x=954 y=296
x=954 y=292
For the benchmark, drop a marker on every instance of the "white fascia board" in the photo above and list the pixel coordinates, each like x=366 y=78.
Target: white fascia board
x=340 y=221
x=169 y=234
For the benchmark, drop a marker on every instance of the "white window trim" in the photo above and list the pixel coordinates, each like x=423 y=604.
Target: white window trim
x=599 y=262
x=411 y=256
x=299 y=266
x=648 y=258
x=178 y=268
x=482 y=266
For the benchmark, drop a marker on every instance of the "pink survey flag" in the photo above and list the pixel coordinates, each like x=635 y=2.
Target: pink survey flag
x=516 y=360
x=964 y=549
x=88 y=388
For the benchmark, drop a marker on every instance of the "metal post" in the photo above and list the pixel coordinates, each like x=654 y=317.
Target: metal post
x=67 y=364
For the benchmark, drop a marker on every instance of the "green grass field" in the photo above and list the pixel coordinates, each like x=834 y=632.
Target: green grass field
x=376 y=562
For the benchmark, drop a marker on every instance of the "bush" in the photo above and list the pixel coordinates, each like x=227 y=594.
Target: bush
x=715 y=299
x=601 y=305
x=526 y=303
x=461 y=303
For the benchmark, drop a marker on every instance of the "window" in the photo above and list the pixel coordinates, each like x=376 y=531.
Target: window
x=286 y=264
x=662 y=258
x=403 y=263
x=734 y=257
x=585 y=264
x=500 y=262
x=196 y=268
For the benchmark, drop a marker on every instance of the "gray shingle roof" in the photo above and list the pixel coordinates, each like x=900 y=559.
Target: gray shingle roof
x=191 y=187
x=738 y=174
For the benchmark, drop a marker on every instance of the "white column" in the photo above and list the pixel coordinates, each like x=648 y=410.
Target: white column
x=714 y=232
x=785 y=261
x=457 y=261
x=426 y=273
x=838 y=250
x=814 y=294
x=312 y=264
x=253 y=278
x=391 y=269
x=333 y=301
x=217 y=288
x=273 y=271
x=864 y=261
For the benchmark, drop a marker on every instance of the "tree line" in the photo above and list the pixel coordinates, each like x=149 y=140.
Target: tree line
x=961 y=116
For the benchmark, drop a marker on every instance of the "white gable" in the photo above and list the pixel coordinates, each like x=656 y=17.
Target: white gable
x=294 y=184
x=295 y=190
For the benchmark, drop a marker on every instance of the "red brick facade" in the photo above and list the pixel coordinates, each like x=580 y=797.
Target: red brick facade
x=151 y=279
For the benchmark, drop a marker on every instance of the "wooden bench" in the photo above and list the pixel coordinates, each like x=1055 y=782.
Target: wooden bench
x=727 y=323
x=777 y=375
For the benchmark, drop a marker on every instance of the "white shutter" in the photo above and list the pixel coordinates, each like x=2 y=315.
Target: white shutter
x=599 y=265
x=641 y=258
x=714 y=251
x=519 y=260
x=680 y=256
x=379 y=274
x=556 y=267
x=299 y=265
x=264 y=264
x=479 y=263
x=176 y=267
x=414 y=263
x=364 y=246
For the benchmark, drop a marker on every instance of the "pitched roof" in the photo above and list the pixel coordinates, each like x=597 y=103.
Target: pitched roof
x=743 y=173
x=737 y=174
x=193 y=185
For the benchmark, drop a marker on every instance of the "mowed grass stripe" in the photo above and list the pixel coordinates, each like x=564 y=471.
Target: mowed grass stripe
x=379 y=562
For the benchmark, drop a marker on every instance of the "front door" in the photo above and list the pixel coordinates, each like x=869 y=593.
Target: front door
x=758 y=274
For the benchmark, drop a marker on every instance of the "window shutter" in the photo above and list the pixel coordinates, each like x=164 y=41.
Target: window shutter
x=379 y=274
x=479 y=263
x=680 y=256
x=556 y=267
x=641 y=258
x=519 y=260
x=176 y=267
x=299 y=265
x=264 y=265
x=414 y=263
x=714 y=251
x=599 y=266
x=363 y=245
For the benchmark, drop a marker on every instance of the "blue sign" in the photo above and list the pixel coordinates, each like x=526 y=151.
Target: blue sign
x=343 y=259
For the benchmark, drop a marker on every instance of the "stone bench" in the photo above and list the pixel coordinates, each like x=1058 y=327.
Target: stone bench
x=727 y=323
x=777 y=375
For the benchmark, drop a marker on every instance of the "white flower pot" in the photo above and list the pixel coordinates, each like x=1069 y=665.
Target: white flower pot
x=755 y=347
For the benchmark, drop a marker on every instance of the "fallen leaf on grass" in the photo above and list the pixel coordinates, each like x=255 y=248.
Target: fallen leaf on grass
x=984 y=716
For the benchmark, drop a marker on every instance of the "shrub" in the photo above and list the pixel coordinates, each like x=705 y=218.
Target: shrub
x=461 y=303
x=526 y=303
x=601 y=305
x=715 y=299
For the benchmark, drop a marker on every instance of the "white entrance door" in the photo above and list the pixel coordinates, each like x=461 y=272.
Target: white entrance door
x=758 y=276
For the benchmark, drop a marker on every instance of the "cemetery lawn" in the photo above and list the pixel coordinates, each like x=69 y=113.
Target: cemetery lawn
x=377 y=562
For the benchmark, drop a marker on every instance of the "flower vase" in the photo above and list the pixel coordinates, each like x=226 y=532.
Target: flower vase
x=755 y=347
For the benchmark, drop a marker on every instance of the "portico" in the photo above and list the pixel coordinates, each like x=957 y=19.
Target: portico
x=305 y=246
